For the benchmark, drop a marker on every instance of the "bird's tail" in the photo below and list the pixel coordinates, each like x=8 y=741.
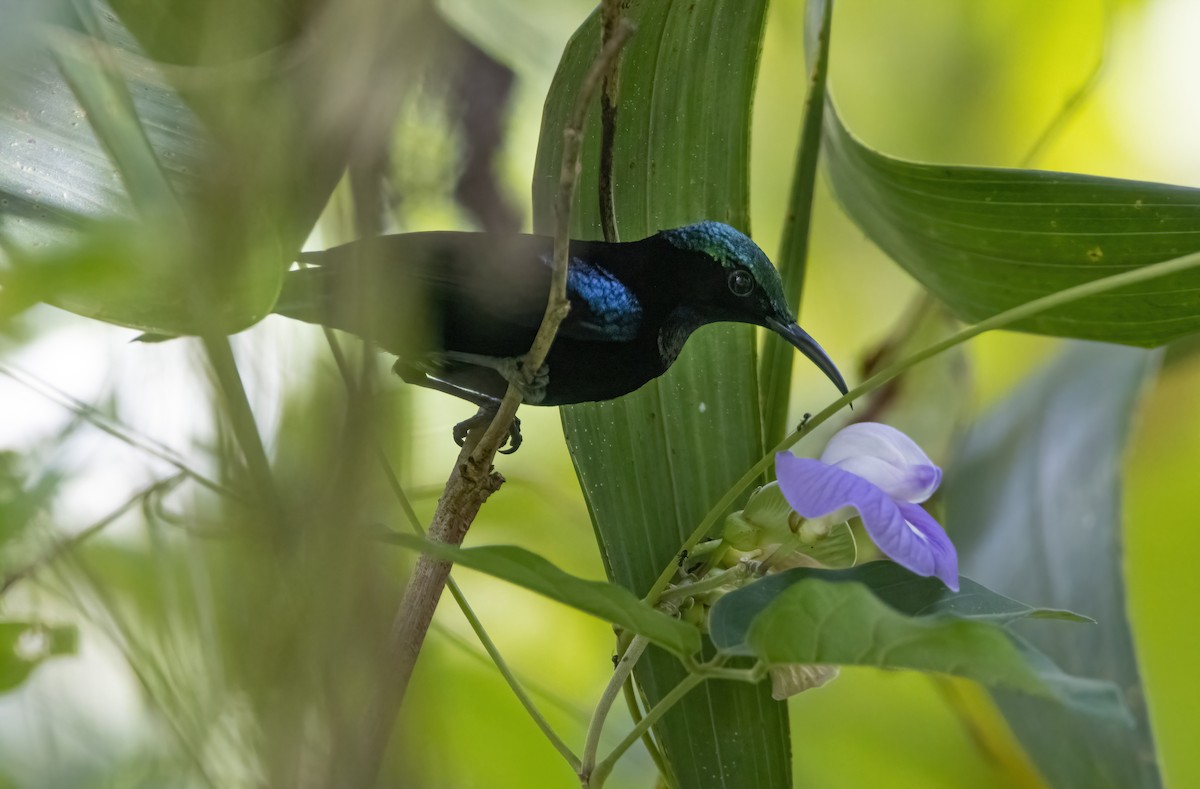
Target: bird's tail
x=307 y=293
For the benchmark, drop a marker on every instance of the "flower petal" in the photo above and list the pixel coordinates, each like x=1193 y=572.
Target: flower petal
x=886 y=457
x=945 y=557
x=815 y=489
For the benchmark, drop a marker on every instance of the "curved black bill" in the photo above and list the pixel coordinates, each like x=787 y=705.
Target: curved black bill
x=809 y=347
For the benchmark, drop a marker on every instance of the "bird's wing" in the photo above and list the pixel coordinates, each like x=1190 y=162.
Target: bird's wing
x=485 y=292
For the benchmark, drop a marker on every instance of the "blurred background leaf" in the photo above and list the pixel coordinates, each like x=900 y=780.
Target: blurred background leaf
x=1034 y=505
x=24 y=645
x=97 y=166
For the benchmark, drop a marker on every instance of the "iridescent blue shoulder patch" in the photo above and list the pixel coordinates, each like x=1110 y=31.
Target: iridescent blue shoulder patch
x=603 y=308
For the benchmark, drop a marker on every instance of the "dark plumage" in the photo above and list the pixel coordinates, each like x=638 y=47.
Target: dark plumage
x=461 y=309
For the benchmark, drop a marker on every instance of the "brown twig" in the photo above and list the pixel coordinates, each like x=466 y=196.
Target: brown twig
x=473 y=478
x=557 y=306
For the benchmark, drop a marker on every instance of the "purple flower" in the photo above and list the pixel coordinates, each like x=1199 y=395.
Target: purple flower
x=883 y=475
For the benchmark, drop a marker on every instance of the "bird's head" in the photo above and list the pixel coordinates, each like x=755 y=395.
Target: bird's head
x=739 y=283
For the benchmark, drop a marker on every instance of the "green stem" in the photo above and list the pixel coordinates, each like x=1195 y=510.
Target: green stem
x=455 y=591
x=753 y=675
x=621 y=672
x=775 y=370
x=999 y=321
x=597 y=777
x=113 y=427
x=513 y=684
x=707 y=584
x=635 y=714
x=241 y=418
x=470 y=647
x=1070 y=107
x=481 y=633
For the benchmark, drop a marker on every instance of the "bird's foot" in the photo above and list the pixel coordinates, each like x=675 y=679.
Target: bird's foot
x=483 y=417
x=535 y=390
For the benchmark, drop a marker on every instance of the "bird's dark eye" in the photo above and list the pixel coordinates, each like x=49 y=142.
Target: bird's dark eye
x=740 y=282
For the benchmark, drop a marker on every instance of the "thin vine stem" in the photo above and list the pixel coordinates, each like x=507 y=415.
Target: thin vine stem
x=597 y=777
x=998 y=321
x=115 y=428
x=621 y=673
x=707 y=583
x=775 y=373
x=610 y=17
x=1075 y=100
x=552 y=697
x=480 y=631
x=245 y=428
x=635 y=714
x=456 y=591
x=509 y=677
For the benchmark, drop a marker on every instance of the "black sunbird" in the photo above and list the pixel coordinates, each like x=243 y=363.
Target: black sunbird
x=461 y=309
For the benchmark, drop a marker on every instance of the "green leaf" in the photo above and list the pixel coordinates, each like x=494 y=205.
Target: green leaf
x=25 y=645
x=21 y=498
x=90 y=170
x=881 y=615
x=54 y=173
x=608 y=601
x=1034 y=505
x=100 y=88
x=652 y=463
x=908 y=594
x=984 y=239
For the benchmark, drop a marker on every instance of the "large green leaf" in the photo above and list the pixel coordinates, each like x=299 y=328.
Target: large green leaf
x=984 y=240
x=608 y=601
x=1033 y=504
x=652 y=463
x=154 y=109
x=908 y=594
x=883 y=616
x=100 y=172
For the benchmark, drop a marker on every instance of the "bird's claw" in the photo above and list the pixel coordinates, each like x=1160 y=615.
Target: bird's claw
x=540 y=379
x=514 y=437
x=532 y=387
x=483 y=417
